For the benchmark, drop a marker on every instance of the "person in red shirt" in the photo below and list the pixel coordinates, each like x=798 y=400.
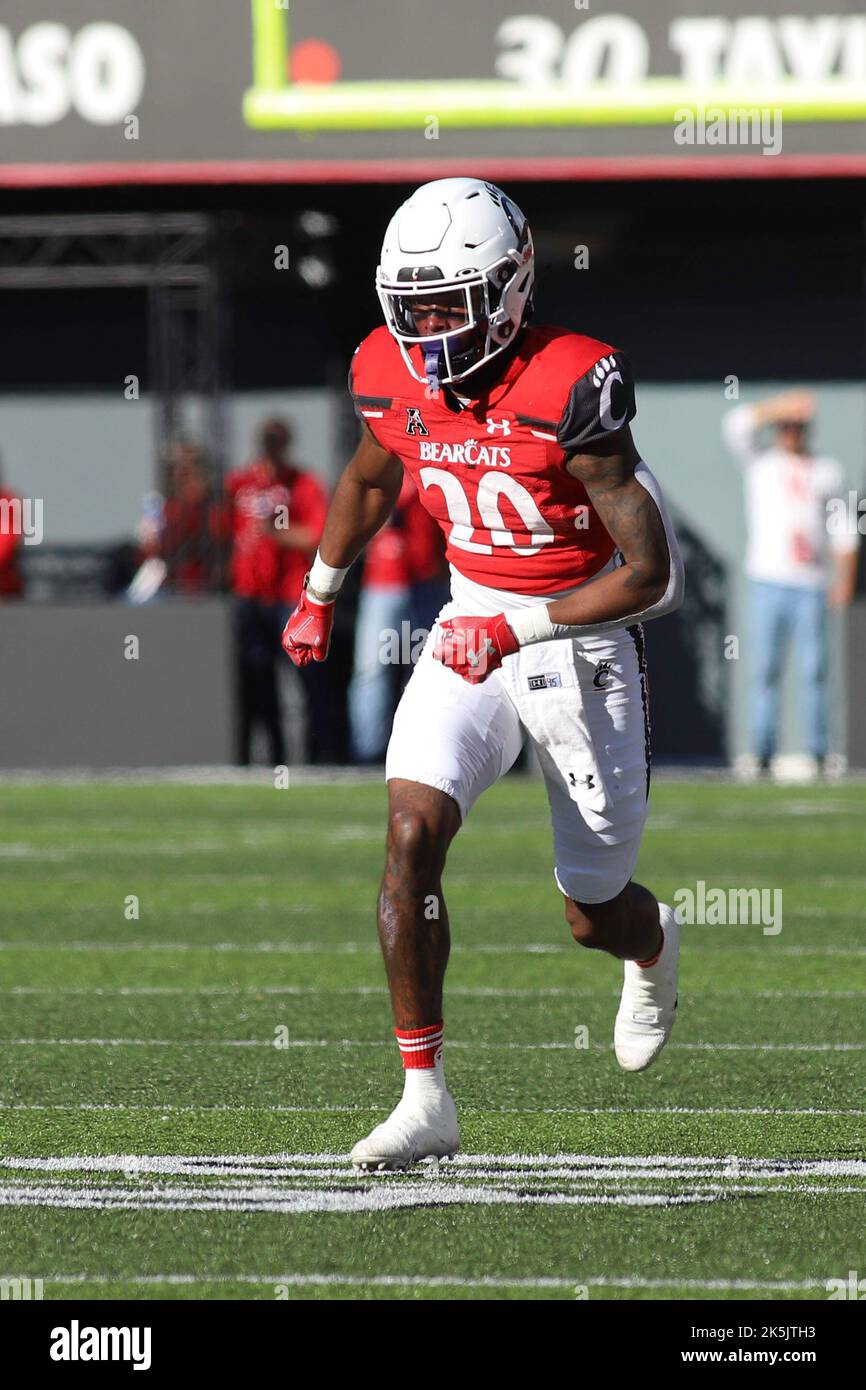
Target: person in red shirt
x=193 y=532
x=10 y=539
x=277 y=512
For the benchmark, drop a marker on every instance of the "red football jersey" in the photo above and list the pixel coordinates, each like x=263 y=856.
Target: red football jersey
x=261 y=567
x=10 y=540
x=492 y=472
x=408 y=549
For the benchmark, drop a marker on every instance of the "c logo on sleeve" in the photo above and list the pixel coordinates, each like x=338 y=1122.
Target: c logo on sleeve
x=605 y=374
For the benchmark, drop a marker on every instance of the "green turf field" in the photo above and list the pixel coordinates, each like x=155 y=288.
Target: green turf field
x=155 y=1141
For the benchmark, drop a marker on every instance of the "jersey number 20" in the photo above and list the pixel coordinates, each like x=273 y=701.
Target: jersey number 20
x=491 y=487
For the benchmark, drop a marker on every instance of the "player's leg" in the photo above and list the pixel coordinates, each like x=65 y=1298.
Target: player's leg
x=626 y=926
x=412 y=917
x=645 y=934
x=769 y=628
x=371 y=689
x=810 y=636
x=585 y=706
x=450 y=742
x=245 y=674
x=272 y=714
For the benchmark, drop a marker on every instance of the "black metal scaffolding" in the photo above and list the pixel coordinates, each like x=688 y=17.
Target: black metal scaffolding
x=175 y=258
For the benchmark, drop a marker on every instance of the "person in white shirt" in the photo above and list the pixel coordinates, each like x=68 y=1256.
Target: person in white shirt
x=797 y=566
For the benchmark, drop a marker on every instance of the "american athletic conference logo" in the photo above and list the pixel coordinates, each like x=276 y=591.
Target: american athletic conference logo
x=414 y=423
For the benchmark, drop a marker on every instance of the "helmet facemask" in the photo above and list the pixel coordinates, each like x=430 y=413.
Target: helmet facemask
x=479 y=298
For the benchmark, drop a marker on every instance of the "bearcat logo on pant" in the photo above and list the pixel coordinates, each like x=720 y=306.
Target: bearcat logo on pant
x=414 y=423
x=602 y=671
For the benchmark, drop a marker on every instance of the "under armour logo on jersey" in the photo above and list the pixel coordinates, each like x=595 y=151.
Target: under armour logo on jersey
x=493 y=426
x=588 y=781
x=602 y=671
x=414 y=423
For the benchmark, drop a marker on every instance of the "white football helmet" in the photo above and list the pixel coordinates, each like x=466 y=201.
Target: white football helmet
x=463 y=250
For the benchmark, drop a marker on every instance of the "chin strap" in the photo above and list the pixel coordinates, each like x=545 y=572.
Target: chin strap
x=433 y=355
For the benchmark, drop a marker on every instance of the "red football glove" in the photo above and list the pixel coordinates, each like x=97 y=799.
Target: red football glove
x=473 y=647
x=307 y=634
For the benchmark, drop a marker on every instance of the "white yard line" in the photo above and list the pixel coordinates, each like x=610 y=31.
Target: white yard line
x=684 y=1110
x=441 y=1281
x=292 y=1184
x=371 y=1198
x=367 y=1199
x=532 y=948
x=381 y=991
x=469 y=1110
x=452 y=1043
x=592 y=1167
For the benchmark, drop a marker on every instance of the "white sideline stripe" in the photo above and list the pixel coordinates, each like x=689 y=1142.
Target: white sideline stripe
x=326 y=774
x=300 y=1201
x=467 y=1109
x=369 y=1200
x=293 y=1183
x=595 y=1167
x=381 y=991
x=439 y=1281
x=387 y=1042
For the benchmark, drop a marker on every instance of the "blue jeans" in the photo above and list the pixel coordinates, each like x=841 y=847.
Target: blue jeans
x=373 y=686
x=779 y=612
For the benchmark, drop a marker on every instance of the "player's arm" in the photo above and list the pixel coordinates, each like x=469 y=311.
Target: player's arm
x=362 y=502
x=611 y=471
x=844 y=547
x=295 y=537
x=594 y=435
x=742 y=426
x=843 y=586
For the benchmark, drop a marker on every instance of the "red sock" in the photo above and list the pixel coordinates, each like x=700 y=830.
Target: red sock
x=420 y=1047
x=652 y=959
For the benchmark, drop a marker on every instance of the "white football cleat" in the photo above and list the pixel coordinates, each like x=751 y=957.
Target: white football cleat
x=648 y=1006
x=415 y=1129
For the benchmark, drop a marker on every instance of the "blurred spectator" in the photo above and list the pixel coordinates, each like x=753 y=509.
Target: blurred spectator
x=277 y=515
x=151 y=569
x=11 y=585
x=796 y=565
x=193 y=526
x=402 y=590
x=180 y=537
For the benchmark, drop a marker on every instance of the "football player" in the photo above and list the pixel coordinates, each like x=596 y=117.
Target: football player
x=560 y=546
